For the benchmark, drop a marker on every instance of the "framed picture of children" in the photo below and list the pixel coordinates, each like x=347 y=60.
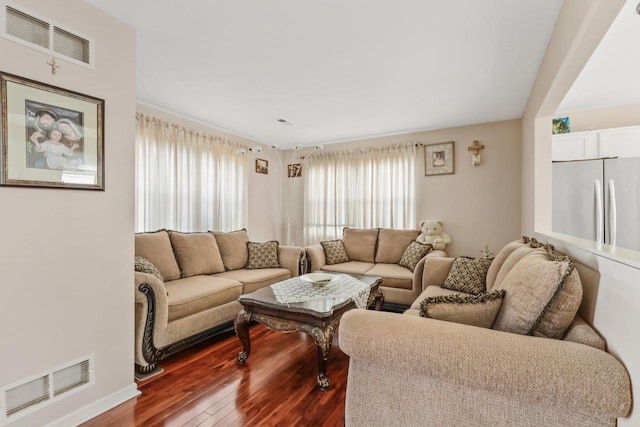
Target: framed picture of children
x=438 y=158
x=51 y=137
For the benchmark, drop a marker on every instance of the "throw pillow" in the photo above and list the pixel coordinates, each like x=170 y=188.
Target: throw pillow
x=413 y=254
x=143 y=265
x=334 y=252
x=468 y=275
x=262 y=255
x=499 y=259
x=543 y=296
x=475 y=310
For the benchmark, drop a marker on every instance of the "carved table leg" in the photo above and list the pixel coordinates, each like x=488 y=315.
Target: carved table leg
x=241 y=325
x=379 y=299
x=323 y=340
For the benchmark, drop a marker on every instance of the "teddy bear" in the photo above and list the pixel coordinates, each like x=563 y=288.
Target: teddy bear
x=432 y=233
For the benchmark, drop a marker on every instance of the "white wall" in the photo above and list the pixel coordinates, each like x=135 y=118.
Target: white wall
x=66 y=256
x=477 y=205
x=612 y=293
x=265 y=220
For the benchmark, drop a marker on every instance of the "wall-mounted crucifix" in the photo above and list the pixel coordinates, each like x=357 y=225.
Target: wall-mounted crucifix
x=476 y=159
x=54 y=66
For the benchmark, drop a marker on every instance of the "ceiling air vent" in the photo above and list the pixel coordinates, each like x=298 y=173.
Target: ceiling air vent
x=43 y=34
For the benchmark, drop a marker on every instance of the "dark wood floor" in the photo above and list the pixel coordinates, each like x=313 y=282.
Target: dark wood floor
x=203 y=386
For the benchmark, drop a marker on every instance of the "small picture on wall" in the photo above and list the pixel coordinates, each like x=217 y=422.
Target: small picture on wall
x=294 y=170
x=438 y=158
x=262 y=166
x=560 y=125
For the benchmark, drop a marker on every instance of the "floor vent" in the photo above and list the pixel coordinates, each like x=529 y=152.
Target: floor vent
x=30 y=394
x=39 y=33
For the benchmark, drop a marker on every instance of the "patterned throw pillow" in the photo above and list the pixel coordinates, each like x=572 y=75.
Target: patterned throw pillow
x=468 y=275
x=413 y=254
x=143 y=265
x=475 y=310
x=334 y=252
x=262 y=255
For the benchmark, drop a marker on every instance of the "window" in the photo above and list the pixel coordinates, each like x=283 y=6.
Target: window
x=186 y=180
x=363 y=189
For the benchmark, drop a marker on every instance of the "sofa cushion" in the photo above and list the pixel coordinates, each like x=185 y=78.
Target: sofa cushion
x=543 y=295
x=233 y=248
x=475 y=310
x=334 y=252
x=393 y=276
x=351 y=267
x=256 y=279
x=413 y=253
x=468 y=275
x=435 y=271
x=197 y=253
x=197 y=293
x=262 y=255
x=499 y=260
x=360 y=244
x=143 y=265
x=156 y=247
x=393 y=243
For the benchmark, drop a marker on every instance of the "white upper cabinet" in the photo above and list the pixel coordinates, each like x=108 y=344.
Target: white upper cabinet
x=574 y=146
x=621 y=142
x=618 y=142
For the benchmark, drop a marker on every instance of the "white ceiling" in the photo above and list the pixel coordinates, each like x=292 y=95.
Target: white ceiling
x=612 y=74
x=337 y=69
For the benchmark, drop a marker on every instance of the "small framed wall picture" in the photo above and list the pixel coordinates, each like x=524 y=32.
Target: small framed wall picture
x=262 y=166
x=438 y=159
x=294 y=170
x=560 y=125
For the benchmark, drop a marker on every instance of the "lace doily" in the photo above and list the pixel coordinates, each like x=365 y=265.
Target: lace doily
x=343 y=287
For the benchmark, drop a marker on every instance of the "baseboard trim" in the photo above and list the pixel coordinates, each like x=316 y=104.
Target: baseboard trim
x=96 y=408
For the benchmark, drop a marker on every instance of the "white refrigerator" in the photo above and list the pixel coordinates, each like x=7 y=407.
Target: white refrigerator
x=598 y=200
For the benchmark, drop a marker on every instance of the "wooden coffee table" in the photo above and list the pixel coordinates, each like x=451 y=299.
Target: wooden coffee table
x=319 y=319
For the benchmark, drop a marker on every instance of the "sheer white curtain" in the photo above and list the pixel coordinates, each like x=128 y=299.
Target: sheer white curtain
x=186 y=180
x=366 y=188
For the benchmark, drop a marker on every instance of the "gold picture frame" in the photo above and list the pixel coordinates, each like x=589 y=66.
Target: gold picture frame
x=262 y=166
x=439 y=158
x=51 y=137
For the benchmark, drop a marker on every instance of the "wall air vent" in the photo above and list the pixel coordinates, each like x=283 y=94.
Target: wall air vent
x=30 y=394
x=71 y=45
x=40 y=33
x=27 y=28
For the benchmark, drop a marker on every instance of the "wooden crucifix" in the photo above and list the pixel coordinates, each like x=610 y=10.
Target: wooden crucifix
x=476 y=159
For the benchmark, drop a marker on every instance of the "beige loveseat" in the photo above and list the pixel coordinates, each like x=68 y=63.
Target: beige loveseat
x=203 y=275
x=410 y=370
x=376 y=252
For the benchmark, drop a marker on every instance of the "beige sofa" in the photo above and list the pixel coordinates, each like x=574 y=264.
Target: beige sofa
x=377 y=252
x=411 y=370
x=203 y=275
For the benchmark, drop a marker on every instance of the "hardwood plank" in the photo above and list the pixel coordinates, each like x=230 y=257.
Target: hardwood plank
x=204 y=386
